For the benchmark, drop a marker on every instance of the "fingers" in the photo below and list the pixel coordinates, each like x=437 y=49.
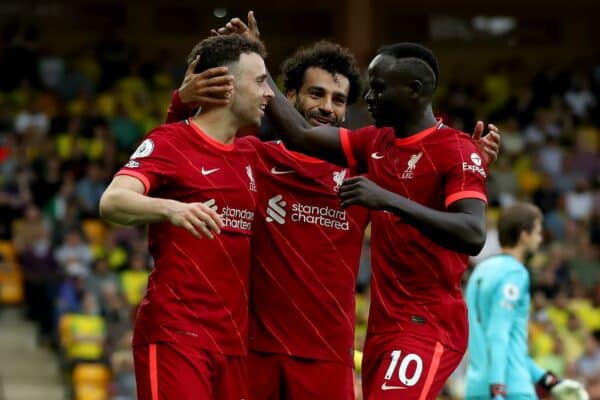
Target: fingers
x=187 y=225
x=478 y=131
x=208 y=216
x=192 y=66
x=200 y=224
x=237 y=25
x=218 y=80
x=213 y=32
x=215 y=72
x=252 y=24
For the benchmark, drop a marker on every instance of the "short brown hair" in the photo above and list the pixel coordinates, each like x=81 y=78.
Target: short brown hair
x=217 y=51
x=515 y=219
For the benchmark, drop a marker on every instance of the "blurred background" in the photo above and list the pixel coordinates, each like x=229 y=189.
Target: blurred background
x=82 y=82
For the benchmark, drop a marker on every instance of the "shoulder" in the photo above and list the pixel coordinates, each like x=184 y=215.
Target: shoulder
x=455 y=138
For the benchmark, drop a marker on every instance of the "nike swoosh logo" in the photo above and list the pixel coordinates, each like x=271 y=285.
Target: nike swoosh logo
x=209 y=171
x=385 y=387
x=274 y=171
x=376 y=156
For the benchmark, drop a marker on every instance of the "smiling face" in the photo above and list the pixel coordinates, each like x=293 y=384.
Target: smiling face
x=252 y=92
x=322 y=98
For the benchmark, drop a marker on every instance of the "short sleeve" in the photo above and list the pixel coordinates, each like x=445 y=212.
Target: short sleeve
x=153 y=162
x=465 y=172
x=357 y=145
x=178 y=111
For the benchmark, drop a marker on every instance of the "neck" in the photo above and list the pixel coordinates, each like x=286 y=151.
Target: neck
x=418 y=122
x=218 y=123
x=517 y=252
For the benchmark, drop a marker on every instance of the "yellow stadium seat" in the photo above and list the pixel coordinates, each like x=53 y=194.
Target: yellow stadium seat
x=8 y=251
x=91 y=381
x=64 y=330
x=11 y=285
x=94 y=230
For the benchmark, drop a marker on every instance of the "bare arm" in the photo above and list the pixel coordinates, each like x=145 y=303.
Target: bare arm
x=322 y=142
x=124 y=202
x=461 y=228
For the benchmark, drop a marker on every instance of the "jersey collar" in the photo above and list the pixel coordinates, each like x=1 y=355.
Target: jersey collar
x=420 y=135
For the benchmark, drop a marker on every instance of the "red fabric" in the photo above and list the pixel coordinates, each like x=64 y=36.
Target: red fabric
x=276 y=376
x=304 y=258
x=185 y=372
x=406 y=367
x=198 y=290
x=178 y=111
x=412 y=276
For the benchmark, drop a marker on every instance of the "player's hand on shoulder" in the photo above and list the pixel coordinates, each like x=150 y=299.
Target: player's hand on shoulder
x=237 y=26
x=489 y=145
x=361 y=191
x=197 y=218
x=212 y=87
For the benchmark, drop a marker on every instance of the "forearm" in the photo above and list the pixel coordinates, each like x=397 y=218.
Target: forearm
x=497 y=336
x=322 y=141
x=291 y=125
x=458 y=231
x=126 y=207
x=535 y=370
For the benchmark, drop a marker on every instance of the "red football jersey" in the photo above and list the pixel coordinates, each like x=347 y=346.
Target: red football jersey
x=305 y=257
x=198 y=290
x=416 y=282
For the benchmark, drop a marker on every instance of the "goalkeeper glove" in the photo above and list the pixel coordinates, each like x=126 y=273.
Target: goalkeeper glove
x=560 y=389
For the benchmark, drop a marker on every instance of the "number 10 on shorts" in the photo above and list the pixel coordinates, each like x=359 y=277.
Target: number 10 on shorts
x=405 y=363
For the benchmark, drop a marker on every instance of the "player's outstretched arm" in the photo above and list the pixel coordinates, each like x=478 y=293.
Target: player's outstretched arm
x=322 y=141
x=213 y=87
x=123 y=202
x=461 y=228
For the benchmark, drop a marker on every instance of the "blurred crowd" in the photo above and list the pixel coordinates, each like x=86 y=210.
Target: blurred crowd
x=67 y=122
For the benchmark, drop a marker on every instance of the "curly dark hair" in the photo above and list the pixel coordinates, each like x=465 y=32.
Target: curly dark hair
x=331 y=57
x=217 y=51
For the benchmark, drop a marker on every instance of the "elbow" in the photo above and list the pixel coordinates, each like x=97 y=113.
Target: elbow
x=106 y=208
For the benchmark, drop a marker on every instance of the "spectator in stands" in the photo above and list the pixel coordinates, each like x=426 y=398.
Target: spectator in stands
x=74 y=251
x=588 y=365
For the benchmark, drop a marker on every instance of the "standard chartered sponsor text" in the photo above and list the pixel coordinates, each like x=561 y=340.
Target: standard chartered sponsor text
x=236 y=218
x=324 y=216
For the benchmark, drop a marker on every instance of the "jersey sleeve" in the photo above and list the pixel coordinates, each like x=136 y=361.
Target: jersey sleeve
x=178 y=111
x=502 y=316
x=153 y=162
x=465 y=171
x=535 y=371
x=357 y=145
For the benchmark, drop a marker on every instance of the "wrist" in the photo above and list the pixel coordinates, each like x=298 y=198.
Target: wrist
x=497 y=390
x=166 y=208
x=546 y=383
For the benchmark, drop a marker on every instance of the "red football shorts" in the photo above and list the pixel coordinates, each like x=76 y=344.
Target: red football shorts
x=166 y=371
x=278 y=377
x=406 y=368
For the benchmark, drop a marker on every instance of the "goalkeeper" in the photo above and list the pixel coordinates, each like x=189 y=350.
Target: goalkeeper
x=498 y=302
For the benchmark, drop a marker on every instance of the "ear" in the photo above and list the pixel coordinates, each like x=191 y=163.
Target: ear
x=291 y=95
x=416 y=86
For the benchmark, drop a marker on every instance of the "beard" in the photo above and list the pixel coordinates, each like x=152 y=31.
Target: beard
x=333 y=120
